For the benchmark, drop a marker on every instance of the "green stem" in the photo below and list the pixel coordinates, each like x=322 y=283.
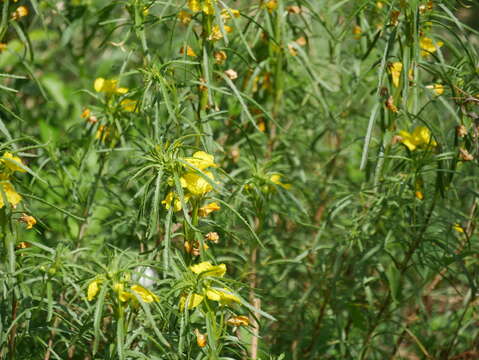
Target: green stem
x=9 y=250
x=4 y=21
x=402 y=269
x=91 y=196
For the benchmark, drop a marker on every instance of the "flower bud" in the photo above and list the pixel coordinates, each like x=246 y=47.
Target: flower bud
x=201 y=339
x=213 y=237
x=461 y=131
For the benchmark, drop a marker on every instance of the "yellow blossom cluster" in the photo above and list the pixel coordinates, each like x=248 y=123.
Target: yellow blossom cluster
x=204 y=270
x=28 y=220
x=196 y=181
x=110 y=87
x=122 y=293
x=20 y=12
x=419 y=138
x=428 y=46
x=205 y=6
x=395 y=69
x=208 y=7
x=193 y=248
x=9 y=165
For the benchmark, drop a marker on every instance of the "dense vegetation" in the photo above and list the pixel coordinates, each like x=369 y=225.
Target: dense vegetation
x=267 y=179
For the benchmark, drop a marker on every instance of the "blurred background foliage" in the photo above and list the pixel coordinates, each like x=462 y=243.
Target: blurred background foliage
x=340 y=240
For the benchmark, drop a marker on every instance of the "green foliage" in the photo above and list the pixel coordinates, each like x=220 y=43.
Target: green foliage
x=278 y=180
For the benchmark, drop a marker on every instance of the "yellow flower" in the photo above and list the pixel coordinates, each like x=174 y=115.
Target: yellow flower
x=102 y=133
x=193 y=301
x=276 y=179
x=28 y=220
x=271 y=5
x=121 y=90
x=261 y=125
x=129 y=105
x=223 y=296
x=145 y=294
x=240 y=320
x=419 y=138
x=206 y=268
x=169 y=198
x=220 y=57
x=103 y=85
x=185 y=17
x=196 y=184
x=226 y=13
x=204 y=211
x=201 y=160
x=12 y=196
x=108 y=86
x=423 y=8
x=216 y=33
x=20 y=12
x=194 y=5
x=213 y=237
x=395 y=68
x=428 y=46
x=437 y=88
x=85 y=113
x=93 y=289
x=12 y=162
x=189 y=51
x=194 y=248
x=394 y=20
x=123 y=295
x=206 y=6
x=357 y=31
x=172 y=197
x=201 y=339
x=188 y=247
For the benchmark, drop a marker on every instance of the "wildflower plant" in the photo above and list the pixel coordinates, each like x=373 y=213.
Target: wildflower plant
x=216 y=179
